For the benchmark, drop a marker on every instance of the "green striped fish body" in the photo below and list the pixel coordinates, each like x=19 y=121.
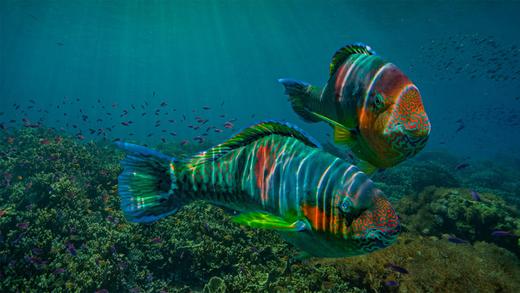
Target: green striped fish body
x=280 y=179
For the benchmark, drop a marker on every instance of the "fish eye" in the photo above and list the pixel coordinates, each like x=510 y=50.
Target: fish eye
x=378 y=101
x=346 y=205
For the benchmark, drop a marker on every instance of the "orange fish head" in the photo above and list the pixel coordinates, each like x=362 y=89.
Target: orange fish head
x=374 y=228
x=393 y=121
x=352 y=227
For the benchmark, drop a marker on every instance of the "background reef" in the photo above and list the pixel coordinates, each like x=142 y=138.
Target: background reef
x=61 y=229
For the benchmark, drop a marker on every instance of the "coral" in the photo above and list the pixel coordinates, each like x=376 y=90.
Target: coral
x=414 y=175
x=436 y=265
x=437 y=211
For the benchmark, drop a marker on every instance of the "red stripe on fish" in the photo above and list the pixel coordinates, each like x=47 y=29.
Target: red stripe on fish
x=338 y=86
x=264 y=163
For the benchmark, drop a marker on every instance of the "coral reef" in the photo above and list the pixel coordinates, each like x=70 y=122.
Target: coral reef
x=414 y=175
x=61 y=229
x=437 y=211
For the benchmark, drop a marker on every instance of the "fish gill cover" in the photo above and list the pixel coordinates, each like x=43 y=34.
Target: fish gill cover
x=181 y=77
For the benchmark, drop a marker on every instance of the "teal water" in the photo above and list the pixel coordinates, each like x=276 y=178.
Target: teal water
x=196 y=53
x=180 y=76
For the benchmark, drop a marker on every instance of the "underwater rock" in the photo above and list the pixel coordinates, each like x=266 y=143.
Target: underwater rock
x=414 y=175
x=439 y=210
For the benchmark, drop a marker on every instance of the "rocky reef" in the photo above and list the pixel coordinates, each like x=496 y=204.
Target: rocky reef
x=61 y=229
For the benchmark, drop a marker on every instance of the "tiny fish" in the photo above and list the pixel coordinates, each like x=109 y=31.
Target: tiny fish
x=37 y=251
x=228 y=125
x=58 y=271
x=475 y=196
x=23 y=225
x=156 y=240
x=501 y=233
x=391 y=283
x=456 y=240
x=206 y=108
x=396 y=268
x=71 y=249
x=459 y=128
x=462 y=166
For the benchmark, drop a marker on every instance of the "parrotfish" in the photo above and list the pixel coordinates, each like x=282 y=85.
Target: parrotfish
x=278 y=178
x=373 y=107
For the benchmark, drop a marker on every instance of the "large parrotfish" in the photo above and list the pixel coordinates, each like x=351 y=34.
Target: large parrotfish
x=278 y=178
x=373 y=107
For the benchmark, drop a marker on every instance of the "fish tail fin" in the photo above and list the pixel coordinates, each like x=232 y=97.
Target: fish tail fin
x=147 y=186
x=300 y=93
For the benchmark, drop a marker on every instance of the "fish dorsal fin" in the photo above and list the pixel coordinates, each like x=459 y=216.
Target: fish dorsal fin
x=342 y=54
x=250 y=134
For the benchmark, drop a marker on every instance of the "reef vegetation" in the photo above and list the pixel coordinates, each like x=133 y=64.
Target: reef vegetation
x=61 y=229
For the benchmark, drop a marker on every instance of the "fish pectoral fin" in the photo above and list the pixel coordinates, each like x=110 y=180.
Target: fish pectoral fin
x=366 y=167
x=269 y=221
x=332 y=122
x=343 y=136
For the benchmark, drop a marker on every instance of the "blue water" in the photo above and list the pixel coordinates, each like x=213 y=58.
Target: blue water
x=228 y=55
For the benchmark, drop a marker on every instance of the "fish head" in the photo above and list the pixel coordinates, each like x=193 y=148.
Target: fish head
x=392 y=120
x=355 y=223
x=370 y=226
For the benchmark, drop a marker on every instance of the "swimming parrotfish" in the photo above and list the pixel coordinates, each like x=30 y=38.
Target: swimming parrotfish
x=278 y=178
x=373 y=107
